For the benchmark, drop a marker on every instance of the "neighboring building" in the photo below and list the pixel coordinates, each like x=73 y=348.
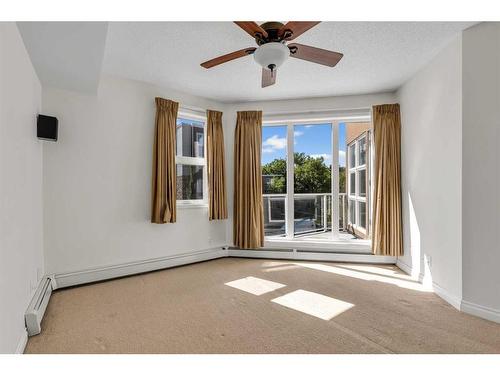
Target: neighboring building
x=267 y=180
x=190 y=138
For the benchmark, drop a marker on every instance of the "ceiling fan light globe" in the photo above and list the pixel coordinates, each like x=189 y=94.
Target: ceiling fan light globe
x=273 y=53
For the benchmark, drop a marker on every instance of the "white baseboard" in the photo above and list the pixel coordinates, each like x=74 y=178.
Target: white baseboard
x=440 y=291
x=404 y=267
x=447 y=296
x=63 y=280
x=314 y=256
x=480 y=311
x=409 y=270
x=21 y=344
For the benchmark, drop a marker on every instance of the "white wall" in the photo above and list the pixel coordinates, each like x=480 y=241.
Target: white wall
x=97 y=181
x=97 y=177
x=481 y=166
x=288 y=106
x=431 y=105
x=21 y=252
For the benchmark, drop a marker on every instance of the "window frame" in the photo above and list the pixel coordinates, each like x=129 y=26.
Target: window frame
x=193 y=161
x=356 y=197
x=321 y=117
x=275 y=197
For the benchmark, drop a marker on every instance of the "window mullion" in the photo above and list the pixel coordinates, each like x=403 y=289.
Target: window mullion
x=289 y=207
x=335 y=181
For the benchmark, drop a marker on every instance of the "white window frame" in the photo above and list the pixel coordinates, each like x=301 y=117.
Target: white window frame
x=356 y=197
x=271 y=198
x=197 y=161
x=289 y=203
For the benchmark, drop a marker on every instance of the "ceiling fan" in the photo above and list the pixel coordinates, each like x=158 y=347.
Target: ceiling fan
x=273 y=50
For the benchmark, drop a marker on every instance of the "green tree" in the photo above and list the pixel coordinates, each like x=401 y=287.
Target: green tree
x=274 y=177
x=341 y=179
x=312 y=175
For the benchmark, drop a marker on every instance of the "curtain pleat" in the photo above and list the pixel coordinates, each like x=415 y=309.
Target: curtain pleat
x=248 y=231
x=163 y=202
x=387 y=237
x=217 y=201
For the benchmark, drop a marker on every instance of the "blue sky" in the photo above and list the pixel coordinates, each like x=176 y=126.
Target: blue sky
x=314 y=140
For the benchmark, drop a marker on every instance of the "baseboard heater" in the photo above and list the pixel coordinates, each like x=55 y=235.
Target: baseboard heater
x=36 y=309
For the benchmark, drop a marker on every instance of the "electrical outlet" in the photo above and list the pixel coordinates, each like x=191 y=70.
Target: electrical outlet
x=429 y=261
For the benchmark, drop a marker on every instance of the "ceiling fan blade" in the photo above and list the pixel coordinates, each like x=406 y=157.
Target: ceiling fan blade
x=315 y=55
x=293 y=29
x=268 y=77
x=230 y=56
x=251 y=28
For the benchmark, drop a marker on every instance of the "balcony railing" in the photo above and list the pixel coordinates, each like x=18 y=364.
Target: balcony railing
x=312 y=213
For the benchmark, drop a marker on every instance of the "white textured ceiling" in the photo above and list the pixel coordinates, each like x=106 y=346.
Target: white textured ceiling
x=378 y=56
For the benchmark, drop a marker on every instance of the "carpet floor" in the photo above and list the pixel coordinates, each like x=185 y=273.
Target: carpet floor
x=233 y=305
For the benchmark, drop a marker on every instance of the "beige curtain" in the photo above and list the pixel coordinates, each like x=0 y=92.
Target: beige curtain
x=387 y=237
x=163 y=205
x=217 y=202
x=248 y=231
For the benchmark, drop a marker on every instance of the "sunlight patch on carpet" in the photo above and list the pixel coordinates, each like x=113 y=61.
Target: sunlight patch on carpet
x=254 y=285
x=314 y=304
x=367 y=276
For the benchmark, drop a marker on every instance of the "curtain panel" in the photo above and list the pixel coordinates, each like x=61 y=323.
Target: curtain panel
x=217 y=200
x=248 y=231
x=163 y=205
x=387 y=236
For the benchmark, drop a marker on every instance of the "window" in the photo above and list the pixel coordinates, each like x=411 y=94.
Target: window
x=315 y=180
x=358 y=183
x=190 y=160
x=352 y=156
x=352 y=183
x=274 y=179
x=276 y=209
x=352 y=211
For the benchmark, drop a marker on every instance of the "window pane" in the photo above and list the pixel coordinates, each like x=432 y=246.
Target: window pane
x=352 y=183
x=274 y=159
x=274 y=179
x=352 y=156
x=274 y=215
x=362 y=151
x=362 y=214
x=189 y=182
x=352 y=212
x=312 y=178
x=277 y=206
x=190 y=138
x=362 y=183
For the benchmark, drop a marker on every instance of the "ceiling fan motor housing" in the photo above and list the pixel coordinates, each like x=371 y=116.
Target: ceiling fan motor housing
x=271 y=55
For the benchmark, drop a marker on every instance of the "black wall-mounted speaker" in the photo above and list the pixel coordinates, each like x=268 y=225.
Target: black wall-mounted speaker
x=46 y=128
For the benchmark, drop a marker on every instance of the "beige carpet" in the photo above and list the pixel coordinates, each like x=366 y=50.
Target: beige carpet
x=373 y=309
